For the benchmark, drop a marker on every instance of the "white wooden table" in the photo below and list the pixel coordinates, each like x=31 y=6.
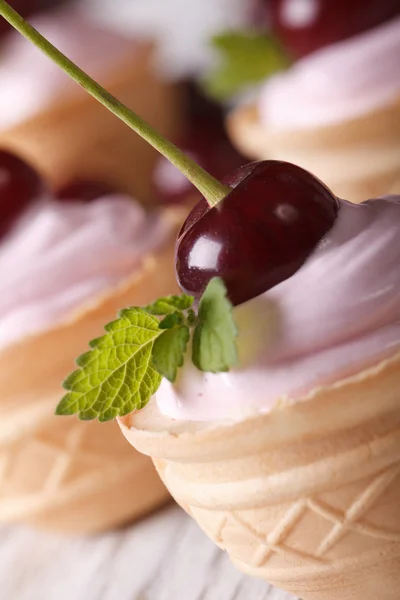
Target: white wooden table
x=164 y=557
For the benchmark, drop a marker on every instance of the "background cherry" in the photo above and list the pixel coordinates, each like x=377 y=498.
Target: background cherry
x=83 y=190
x=306 y=25
x=20 y=186
x=204 y=140
x=259 y=234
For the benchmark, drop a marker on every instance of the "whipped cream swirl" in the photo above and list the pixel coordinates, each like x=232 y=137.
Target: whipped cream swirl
x=337 y=83
x=61 y=256
x=338 y=314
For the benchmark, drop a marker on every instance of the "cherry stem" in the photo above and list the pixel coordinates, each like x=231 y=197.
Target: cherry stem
x=212 y=190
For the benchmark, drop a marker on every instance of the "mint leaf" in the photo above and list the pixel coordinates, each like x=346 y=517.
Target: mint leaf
x=191 y=317
x=169 y=349
x=169 y=304
x=124 y=367
x=171 y=320
x=246 y=59
x=214 y=340
x=117 y=376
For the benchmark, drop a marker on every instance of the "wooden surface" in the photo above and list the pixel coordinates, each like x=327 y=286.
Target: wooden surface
x=164 y=557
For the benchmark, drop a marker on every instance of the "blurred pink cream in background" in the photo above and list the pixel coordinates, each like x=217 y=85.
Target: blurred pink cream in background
x=30 y=82
x=61 y=256
x=340 y=82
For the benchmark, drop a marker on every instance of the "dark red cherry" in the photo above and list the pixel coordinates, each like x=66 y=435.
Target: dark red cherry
x=27 y=8
x=20 y=186
x=84 y=191
x=306 y=25
x=259 y=235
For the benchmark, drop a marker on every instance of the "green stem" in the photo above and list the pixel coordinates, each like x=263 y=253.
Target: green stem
x=208 y=186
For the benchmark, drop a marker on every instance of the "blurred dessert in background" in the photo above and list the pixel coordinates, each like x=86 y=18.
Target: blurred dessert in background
x=47 y=119
x=60 y=255
x=336 y=111
x=67 y=266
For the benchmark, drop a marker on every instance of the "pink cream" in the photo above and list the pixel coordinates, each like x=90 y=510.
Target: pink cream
x=339 y=313
x=340 y=82
x=61 y=256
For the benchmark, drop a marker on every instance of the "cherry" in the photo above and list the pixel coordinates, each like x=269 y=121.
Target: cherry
x=258 y=235
x=205 y=141
x=27 y=8
x=83 y=190
x=306 y=25
x=20 y=186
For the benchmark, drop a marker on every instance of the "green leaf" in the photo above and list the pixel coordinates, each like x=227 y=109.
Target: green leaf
x=169 y=304
x=171 y=320
x=117 y=376
x=246 y=59
x=191 y=317
x=169 y=349
x=214 y=340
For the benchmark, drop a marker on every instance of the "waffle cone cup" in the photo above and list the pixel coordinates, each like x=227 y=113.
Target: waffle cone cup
x=78 y=138
x=357 y=159
x=307 y=496
x=58 y=472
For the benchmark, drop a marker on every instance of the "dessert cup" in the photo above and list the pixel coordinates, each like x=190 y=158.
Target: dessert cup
x=358 y=158
x=306 y=496
x=75 y=137
x=335 y=112
x=64 y=474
